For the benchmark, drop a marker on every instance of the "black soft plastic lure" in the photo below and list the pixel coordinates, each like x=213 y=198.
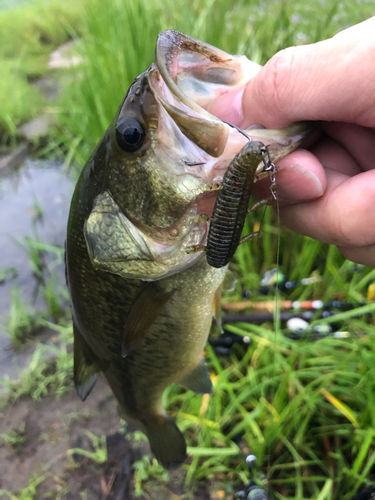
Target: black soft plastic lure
x=231 y=205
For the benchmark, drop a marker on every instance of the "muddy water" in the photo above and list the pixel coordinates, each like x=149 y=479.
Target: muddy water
x=34 y=203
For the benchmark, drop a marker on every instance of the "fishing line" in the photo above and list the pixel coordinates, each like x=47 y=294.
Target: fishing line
x=276 y=315
x=270 y=168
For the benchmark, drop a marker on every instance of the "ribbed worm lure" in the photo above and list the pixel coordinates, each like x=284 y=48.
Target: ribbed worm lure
x=231 y=207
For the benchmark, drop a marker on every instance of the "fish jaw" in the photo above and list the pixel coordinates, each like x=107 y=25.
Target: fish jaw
x=199 y=74
x=194 y=76
x=195 y=83
x=192 y=81
x=279 y=142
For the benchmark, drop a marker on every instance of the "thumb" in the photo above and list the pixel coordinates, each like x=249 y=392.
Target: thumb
x=332 y=80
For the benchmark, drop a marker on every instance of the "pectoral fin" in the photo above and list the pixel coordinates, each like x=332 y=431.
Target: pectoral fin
x=198 y=380
x=217 y=309
x=86 y=365
x=229 y=283
x=145 y=309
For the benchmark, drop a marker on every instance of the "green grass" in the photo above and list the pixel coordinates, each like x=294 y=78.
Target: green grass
x=25 y=101
x=273 y=394
x=15 y=438
x=99 y=453
x=50 y=370
x=119 y=43
x=28 y=493
x=28 y=34
x=23 y=321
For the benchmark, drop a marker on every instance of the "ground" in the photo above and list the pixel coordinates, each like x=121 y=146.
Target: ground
x=46 y=432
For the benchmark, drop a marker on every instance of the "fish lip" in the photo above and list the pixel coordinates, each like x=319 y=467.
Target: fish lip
x=169 y=43
x=281 y=142
x=187 y=77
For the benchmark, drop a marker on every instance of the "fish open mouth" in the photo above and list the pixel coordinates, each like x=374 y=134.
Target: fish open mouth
x=198 y=84
x=198 y=73
x=196 y=76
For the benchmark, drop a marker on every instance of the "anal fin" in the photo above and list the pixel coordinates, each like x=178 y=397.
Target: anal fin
x=198 y=380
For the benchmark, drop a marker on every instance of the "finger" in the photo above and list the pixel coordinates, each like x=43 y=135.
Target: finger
x=361 y=255
x=358 y=141
x=300 y=177
x=343 y=216
x=332 y=155
x=333 y=80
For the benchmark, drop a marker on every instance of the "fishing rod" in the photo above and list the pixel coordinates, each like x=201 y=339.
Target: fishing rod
x=299 y=329
x=252 y=490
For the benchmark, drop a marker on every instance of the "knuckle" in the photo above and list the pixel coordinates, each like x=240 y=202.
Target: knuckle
x=345 y=230
x=343 y=233
x=354 y=222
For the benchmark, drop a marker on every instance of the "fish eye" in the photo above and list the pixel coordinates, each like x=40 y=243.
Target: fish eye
x=130 y=134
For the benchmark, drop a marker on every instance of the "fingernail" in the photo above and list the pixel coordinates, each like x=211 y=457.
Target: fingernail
x=296 y=183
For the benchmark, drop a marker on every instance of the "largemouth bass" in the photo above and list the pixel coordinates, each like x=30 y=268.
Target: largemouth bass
x=142 y=304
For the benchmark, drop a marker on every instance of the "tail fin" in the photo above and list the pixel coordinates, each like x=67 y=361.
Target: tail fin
x=166 y=441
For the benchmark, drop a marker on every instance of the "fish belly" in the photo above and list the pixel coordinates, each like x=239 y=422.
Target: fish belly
x=170 y=351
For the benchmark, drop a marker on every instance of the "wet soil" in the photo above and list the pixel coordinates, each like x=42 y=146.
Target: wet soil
x=50 y=429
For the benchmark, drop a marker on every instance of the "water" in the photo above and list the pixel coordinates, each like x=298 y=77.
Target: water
x=11 y=4
x=34 y=203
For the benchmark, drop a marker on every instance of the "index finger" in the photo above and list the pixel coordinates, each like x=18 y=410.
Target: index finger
x=332 y=80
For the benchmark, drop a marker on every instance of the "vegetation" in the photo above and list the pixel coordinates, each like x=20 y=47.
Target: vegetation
x=49 y=372
x=303 y=407
x=28 y=34
x=119 y=43
x=24 y=321
x=15 y=438
x=28 y=493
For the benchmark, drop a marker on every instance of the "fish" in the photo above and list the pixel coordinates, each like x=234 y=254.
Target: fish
x=142 y=305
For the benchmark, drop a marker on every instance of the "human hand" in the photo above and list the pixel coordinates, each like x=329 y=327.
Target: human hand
x=328 y=191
